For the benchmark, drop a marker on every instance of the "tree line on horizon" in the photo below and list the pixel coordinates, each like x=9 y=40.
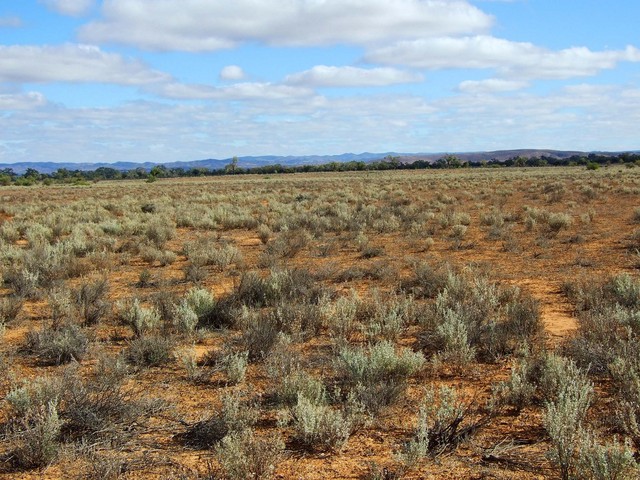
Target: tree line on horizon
x=63 y=175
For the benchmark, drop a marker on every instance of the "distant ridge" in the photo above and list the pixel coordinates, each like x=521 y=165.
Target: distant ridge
x=294 y=160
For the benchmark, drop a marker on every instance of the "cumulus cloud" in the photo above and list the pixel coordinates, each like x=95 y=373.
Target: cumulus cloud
x=69 y=7
x=10 y=22
x=302 y=125
x=232 y=73
x=21 y=101
x=201 y=25
x=72 y=63
x=512 y=59
x=327 y=76
x=237 y=91
x=491 y=85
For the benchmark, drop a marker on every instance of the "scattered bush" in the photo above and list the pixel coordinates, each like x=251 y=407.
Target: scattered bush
x=55 y=346
x=36 y=437
x=140 y=319
x=234 y=365
x=564 y=416
x=243 y=456
x=378 y=374
x=149 y=350
x=443 y=423
x=317 y=425
x=10 y=308
x=91 y=301
x=235 y=416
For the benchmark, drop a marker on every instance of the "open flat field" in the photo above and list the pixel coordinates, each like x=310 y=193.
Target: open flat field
x=459 y=324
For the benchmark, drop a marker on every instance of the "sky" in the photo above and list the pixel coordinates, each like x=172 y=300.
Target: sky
x=165 y=80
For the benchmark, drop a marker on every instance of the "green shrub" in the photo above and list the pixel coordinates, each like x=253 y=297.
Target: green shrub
x=10 y=308
x=605 y=462
x=260 y=333
x=318 y=426
x=185 y=319
x=91 y=300
x=298 y=383
x=564 y=416
x=244 y=456
x=149 y=351
x=475 y=317
x=55 y=346
x=378 y=374
x=36 y=437
x=234 y=365
x=235 y=416
x=443 y=423
x=140 y=319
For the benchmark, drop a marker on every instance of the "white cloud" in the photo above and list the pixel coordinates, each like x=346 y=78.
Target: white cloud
x=201 y=25
x=72 y=63
x=512 y=59
x=237 y=91
x=10 y=22
x=21 y=101
x=69 y=7
x=327 y=76
x=491 y=85
x=582 y=116
x=232 y=73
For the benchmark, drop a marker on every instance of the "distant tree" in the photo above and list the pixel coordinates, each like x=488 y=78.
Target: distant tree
x=450 y=161
x=159 y=171
x=32 y=173
x=519 y=161
x=232 y=166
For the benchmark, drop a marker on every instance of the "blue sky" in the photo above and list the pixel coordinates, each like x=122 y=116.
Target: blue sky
x=161 y=80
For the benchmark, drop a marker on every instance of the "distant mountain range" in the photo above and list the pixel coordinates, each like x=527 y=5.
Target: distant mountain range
x=259 y=161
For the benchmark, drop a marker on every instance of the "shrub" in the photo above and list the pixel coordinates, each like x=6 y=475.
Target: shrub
x=100 y=405
x=378 y=374
x=149 y=351
x=473 y=316
x=318 y=426
x=288 y=244
x=298 y=383
x=185 y=319
x=195 y=273
x=605 y=462
x=564 y=415
x=140 y=319
x=385 y=318
x=557 y=222
x=187 y=357
x=340 y=316
x=25 y=282
x=159 y=232
x=264 y=233
x=55 y=346
x=259 y=334
x=426 y=282
x=10 y=308
x=91 y=301
x=235 y=416
x=443 y=423
x=47 y=410
x=518 y=391
x=36 y=436
x=201 y=301
x=60 y=305
x=234 y=365
x=243 y=456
